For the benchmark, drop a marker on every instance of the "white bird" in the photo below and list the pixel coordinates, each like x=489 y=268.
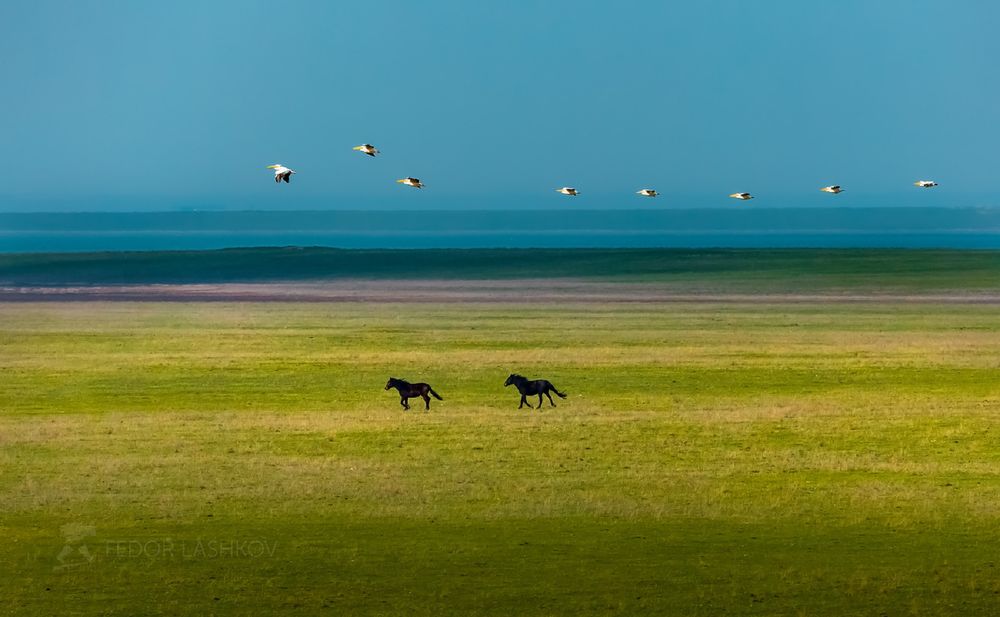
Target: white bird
x=568 y=190
x=368 y=149
x=647 y=192
x=742 y=196
x=408 y=181
x=281 y=173
x=832 y=189
x=925 y=184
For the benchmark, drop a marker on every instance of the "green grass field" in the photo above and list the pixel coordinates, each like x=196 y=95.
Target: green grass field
x=710 y=459
x=797 y=458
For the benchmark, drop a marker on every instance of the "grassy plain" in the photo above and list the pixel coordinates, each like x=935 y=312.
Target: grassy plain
x=760 y=458
x=711 y=459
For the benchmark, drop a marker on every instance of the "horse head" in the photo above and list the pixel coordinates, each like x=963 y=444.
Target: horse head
x=392 y=381
x=511 y=379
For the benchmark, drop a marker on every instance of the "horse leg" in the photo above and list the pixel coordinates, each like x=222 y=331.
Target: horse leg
x=427 y=402
x=404 y=402
x=524 y=402
x=551 y=402
x=539 y=400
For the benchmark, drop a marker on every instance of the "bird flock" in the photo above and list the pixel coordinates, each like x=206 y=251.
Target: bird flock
x=282 y=173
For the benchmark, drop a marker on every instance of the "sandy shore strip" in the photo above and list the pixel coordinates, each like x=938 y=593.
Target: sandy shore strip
x=451 y=291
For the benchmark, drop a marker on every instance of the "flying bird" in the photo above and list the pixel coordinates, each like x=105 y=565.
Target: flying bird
x=568 y=190
x=925 y=184
x=414 y=182
x=742 y=196
x=281 y=173
x=832 y=189
x=647 y=192
x=368 y=149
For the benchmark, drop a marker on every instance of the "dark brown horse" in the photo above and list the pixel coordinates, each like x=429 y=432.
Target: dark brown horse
x=539 y=387
x=409 y=390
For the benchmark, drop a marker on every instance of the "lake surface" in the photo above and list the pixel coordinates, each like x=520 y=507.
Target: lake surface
x=738 y=228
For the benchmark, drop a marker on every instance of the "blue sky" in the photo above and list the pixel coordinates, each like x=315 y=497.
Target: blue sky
x=181 y=105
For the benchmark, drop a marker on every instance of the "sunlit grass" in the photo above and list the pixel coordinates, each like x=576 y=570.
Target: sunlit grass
x=710 y=459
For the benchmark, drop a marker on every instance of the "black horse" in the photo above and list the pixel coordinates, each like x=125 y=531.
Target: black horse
x=539 y=387
x=409 y=390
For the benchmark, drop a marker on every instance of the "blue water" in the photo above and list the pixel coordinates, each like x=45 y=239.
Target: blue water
x=970 y=228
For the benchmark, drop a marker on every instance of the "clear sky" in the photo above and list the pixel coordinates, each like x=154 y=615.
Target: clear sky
x=180 y=105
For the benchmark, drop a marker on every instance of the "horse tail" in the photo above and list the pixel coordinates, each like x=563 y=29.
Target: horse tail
x=558 y=393
x=435 y=394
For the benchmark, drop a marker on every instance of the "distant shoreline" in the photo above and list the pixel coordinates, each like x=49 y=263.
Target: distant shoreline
x=532 y=291
x=657 y=227
x=568 y=273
